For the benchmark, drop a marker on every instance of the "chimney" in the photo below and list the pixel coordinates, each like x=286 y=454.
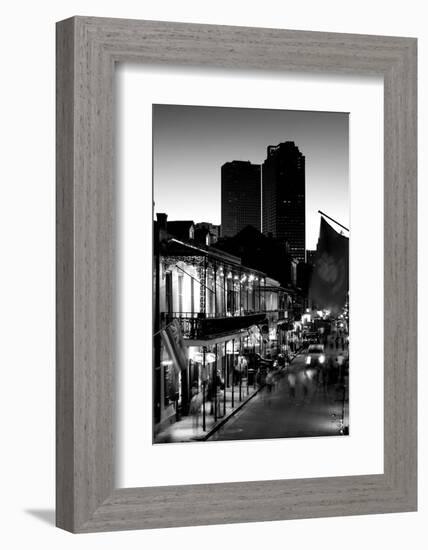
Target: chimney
x=162 y=220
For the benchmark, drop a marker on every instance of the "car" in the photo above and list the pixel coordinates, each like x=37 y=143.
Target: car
x=315 y=355
x=310 y=338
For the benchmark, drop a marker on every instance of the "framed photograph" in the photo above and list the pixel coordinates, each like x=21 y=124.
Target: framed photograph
x=253 y=296
x=236 y=274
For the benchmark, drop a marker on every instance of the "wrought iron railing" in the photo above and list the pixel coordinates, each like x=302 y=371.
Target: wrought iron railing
x=198 y=326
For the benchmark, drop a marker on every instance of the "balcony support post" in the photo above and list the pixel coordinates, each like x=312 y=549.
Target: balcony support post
x=240 y=371
x=224 y=378
x=215 y=289
x=224 y=291
x=204 y=383
x=214 y=385
x=233 y=372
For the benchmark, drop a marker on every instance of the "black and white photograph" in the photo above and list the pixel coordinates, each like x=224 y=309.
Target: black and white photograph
x=211 y=258
x=251 y=237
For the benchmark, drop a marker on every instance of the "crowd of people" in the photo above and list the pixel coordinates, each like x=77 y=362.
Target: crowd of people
x=303 y=381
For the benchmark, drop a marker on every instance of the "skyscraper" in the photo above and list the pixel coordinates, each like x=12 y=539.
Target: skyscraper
x=240 y=197
x=283 y=184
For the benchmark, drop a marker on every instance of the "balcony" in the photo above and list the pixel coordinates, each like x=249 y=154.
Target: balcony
x=280 y=313
x=199 y=327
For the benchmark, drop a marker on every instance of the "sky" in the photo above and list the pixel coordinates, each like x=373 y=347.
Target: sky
x=191 y=143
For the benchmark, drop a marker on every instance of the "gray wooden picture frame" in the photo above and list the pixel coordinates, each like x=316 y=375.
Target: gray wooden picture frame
x=87 y=50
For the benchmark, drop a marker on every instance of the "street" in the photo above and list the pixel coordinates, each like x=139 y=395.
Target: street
x=311 y=411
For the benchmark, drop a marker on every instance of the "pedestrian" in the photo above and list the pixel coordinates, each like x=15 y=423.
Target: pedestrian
x=305 y=385
x=220 y=394
x=291 y=379
x=242 y=367
x=277 y=374
x=319 y=379
x=325 y=376
x=210 y=395
x=340 y=365
x=195 y=406
x=269 y=381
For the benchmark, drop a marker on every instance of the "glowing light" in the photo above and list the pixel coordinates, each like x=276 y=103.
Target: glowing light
x=198 y=357
x=308 y=360
x=321 y=359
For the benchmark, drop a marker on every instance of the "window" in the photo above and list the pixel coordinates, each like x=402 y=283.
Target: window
x=192 y=296
x=180 y=293
x=168 y=292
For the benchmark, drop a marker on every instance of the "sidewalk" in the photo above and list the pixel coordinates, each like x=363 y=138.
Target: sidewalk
x=183 y=431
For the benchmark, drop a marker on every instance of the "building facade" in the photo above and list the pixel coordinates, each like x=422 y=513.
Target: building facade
x=283 y=197
x=207 y=233
x=240 y=197
x=224 y=314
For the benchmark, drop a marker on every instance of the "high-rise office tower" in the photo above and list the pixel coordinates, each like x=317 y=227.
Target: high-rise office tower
x=240 y=197
x=283 y=196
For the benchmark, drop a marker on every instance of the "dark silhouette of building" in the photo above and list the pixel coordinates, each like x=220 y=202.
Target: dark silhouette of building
x=263 y=253
x=207 y=233
x=240 y=197
x=311 y=256
x=187 y=230
x=181 y=229
x=283 y=192
x=304 y=275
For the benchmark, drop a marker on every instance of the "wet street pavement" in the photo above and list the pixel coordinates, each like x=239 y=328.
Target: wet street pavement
x=311 y=411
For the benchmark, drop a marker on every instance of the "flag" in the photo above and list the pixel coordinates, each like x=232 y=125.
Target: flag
x=172 y=338
x=329 y=284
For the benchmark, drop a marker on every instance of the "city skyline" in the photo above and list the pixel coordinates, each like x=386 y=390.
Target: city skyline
x=284 y=200
x=191 y=144
x=240 y=197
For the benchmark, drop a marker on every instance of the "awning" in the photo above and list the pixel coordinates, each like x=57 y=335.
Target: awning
x=172 y=338
x=216 y=339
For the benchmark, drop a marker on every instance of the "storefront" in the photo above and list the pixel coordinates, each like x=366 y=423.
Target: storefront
x=218 y=366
